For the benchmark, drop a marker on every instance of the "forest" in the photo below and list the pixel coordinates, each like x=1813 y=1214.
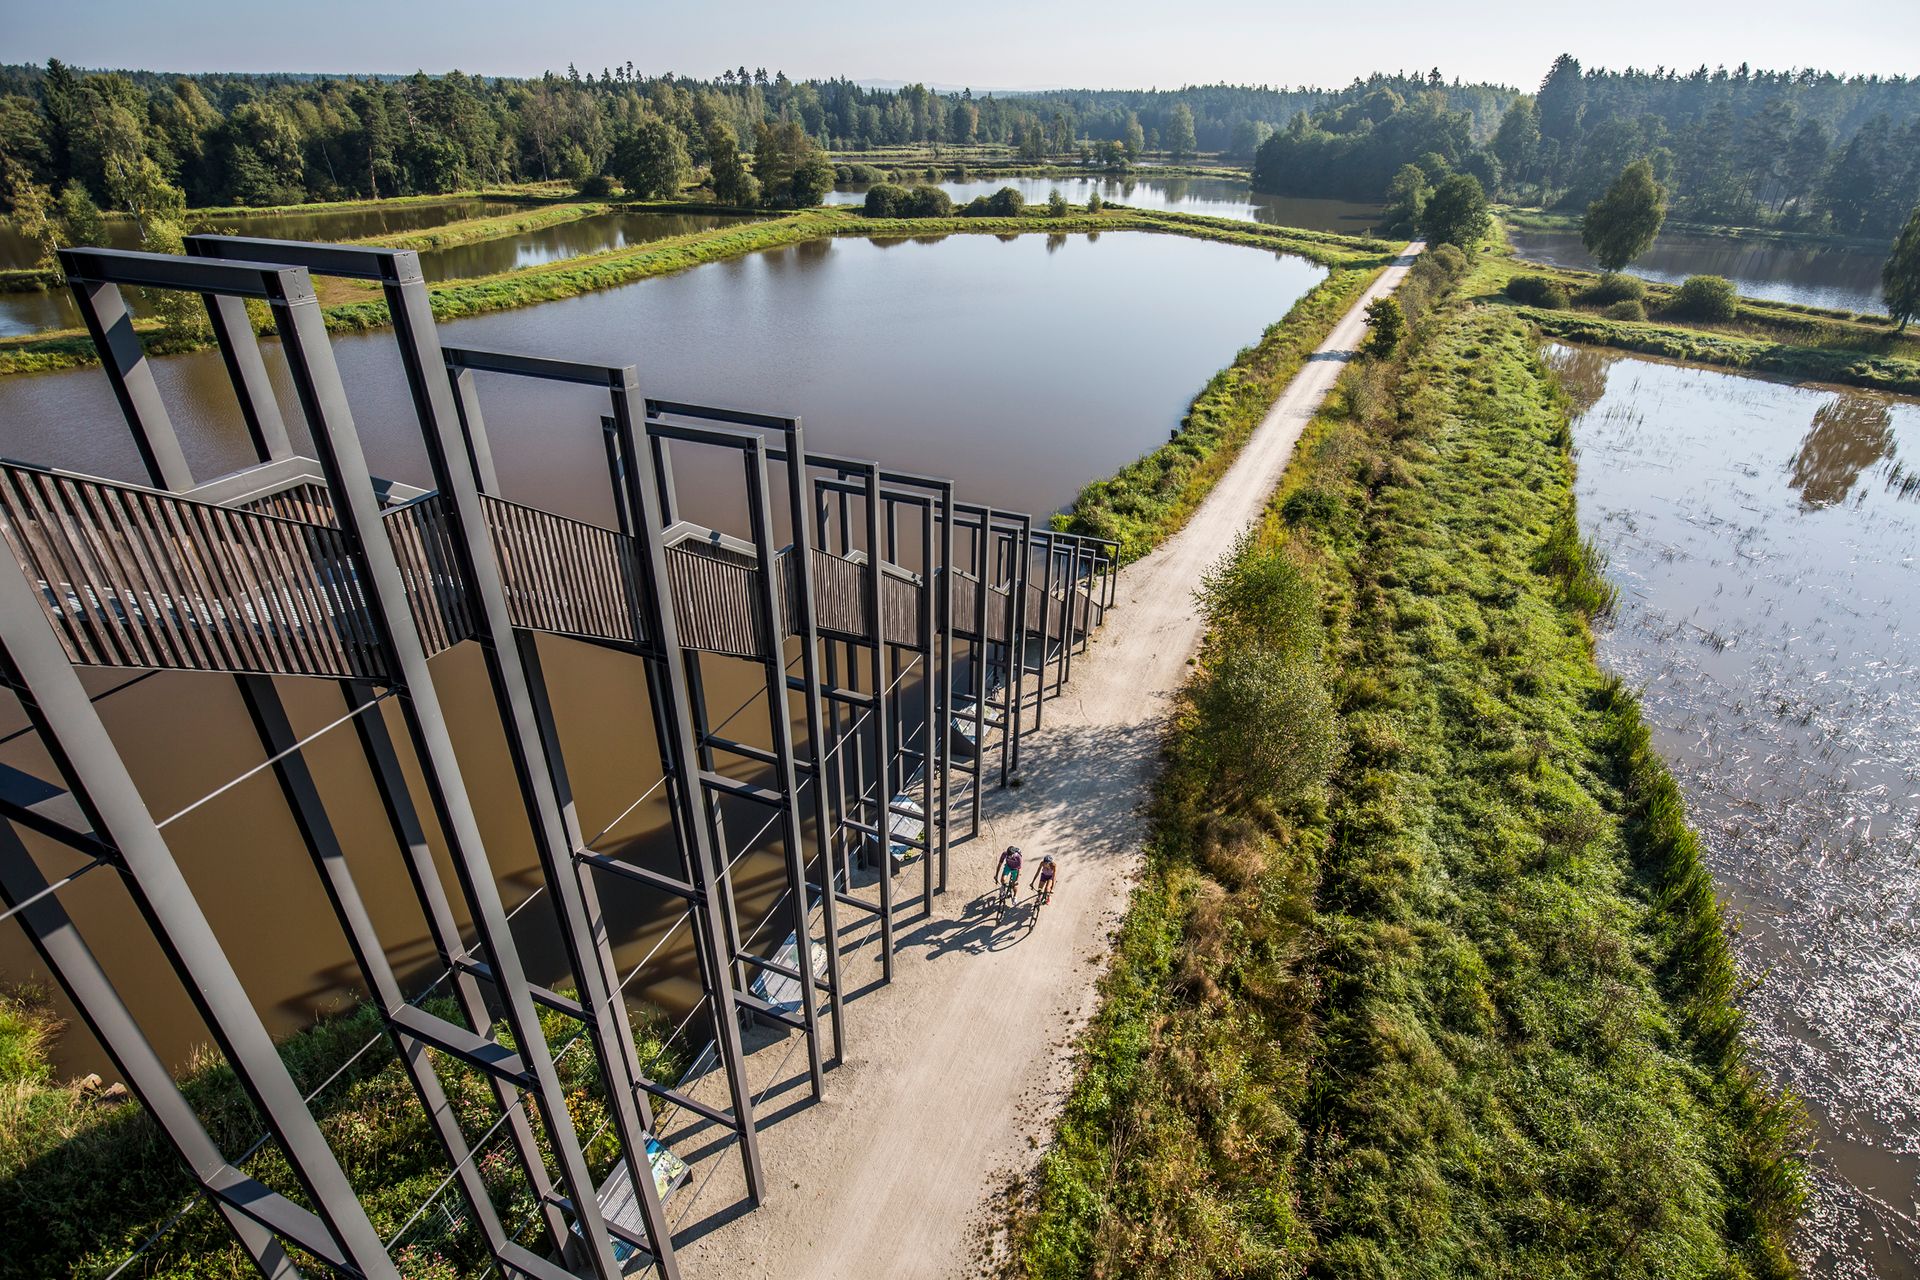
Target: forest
x=281 y=139
x=1801 y=149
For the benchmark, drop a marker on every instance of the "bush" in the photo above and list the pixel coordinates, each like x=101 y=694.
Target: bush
x=885 y=200
x=1265 y=723
x=1007 y=202
x=927 y=202
x=863 y=174
x=1626 y=309
x=1608 y=290
x=1538 y=291
x=1705 y=298
x=597 y=186
x=1056 y=204
x=1093 y=202
x=1448 y=260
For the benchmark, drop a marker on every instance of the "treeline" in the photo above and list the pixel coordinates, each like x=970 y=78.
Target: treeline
x=1798 y=148
x=284 y=139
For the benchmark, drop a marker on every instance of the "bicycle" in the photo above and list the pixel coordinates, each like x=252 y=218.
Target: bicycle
x=1009 y=889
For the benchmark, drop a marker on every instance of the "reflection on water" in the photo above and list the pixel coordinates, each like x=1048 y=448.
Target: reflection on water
x=1770 y=610
x=1021 y=369
x=1808 y=275
x=1213 y=197
x=601 y=233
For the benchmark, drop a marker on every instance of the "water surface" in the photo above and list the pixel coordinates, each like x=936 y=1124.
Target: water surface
x=601 y=233
x=1213 y=197
x=1766 y=541
x=1022 y=368
x=1845 y=279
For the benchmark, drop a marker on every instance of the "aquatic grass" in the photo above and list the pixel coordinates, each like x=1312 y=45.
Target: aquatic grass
x=1470 y=1012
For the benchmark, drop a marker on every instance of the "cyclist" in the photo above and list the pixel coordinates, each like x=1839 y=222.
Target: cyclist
x=1043 y=878
x=1008 y=872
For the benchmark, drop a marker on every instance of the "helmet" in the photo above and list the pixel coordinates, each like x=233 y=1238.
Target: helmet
x=1046 y=857
x=1013 y=848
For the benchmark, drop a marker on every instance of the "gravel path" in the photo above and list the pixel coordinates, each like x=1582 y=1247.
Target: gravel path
x=955 y=1071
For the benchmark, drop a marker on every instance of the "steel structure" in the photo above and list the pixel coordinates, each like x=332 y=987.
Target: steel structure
x=884 y=690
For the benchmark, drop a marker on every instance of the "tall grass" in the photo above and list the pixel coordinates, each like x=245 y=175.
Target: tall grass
x=1470 y=1010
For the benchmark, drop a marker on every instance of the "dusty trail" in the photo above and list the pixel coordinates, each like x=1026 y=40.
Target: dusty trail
x=957 y=1066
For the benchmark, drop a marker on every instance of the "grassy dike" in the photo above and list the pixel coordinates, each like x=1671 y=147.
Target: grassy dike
x=575 y=276
x=1465 y=1008
x=1785 y=339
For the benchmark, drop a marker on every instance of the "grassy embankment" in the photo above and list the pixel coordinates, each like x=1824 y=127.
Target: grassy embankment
x=85 y=1180
x=1569 y=220
x=1781 y=338
x=574 y=276
x=1466 y=1008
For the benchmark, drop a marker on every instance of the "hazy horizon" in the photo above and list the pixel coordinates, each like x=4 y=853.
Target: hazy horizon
x=993 y=46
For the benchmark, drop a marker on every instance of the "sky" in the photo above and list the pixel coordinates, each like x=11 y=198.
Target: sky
x=988 y=44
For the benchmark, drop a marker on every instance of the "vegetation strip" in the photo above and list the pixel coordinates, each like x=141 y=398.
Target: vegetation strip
x=1465 y=1007
x=575 y=276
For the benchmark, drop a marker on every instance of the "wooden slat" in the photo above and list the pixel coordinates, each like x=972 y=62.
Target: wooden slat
x=137 y=578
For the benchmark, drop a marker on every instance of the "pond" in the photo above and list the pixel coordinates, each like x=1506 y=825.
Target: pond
x=34 y=311
x=312 y=224
x=1766 y=541
x=1021 y=368
x=1213 y=197
x=1834 y=276
x=601 y=233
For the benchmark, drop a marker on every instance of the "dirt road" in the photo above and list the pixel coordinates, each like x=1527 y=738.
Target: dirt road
x=956 y=1069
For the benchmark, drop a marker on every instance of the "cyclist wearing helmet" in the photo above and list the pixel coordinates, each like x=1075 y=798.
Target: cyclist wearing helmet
x=1043 y=878
x=1008 y=872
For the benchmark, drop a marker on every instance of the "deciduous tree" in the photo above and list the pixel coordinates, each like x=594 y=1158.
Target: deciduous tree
x=1456 y=213
x=1901 y=276
x=1621 y=225
x=650 y=159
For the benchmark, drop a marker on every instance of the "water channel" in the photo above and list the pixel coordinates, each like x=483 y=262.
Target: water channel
x=1766 y=539
x=1836 y=276
x=1021 y=368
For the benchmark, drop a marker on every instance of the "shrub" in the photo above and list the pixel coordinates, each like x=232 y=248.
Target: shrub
x=863 y=174
x=1538 y=291
x=1056 y=204
x=885 y=200
x=596 y=186
x=1705 y=298
x=1093 y=202
x=927 y=202
x=1626 y=309
x=1608 y=290
x=1007 y=202
x=1448 y=260
x=1265 y=723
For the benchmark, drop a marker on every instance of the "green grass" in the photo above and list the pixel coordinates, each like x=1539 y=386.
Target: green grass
x=1468 y=1010
x=84 y=1181
x=473 y=230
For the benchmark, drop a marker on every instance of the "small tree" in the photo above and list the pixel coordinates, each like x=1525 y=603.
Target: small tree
x=1386 y=325
x=1407 y=197
x=80 y=217
x=1900 y=278
x=1621 y=225
x=1456 y=213
x=1056 y=204
x=1093 y=202
x=650 y=159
